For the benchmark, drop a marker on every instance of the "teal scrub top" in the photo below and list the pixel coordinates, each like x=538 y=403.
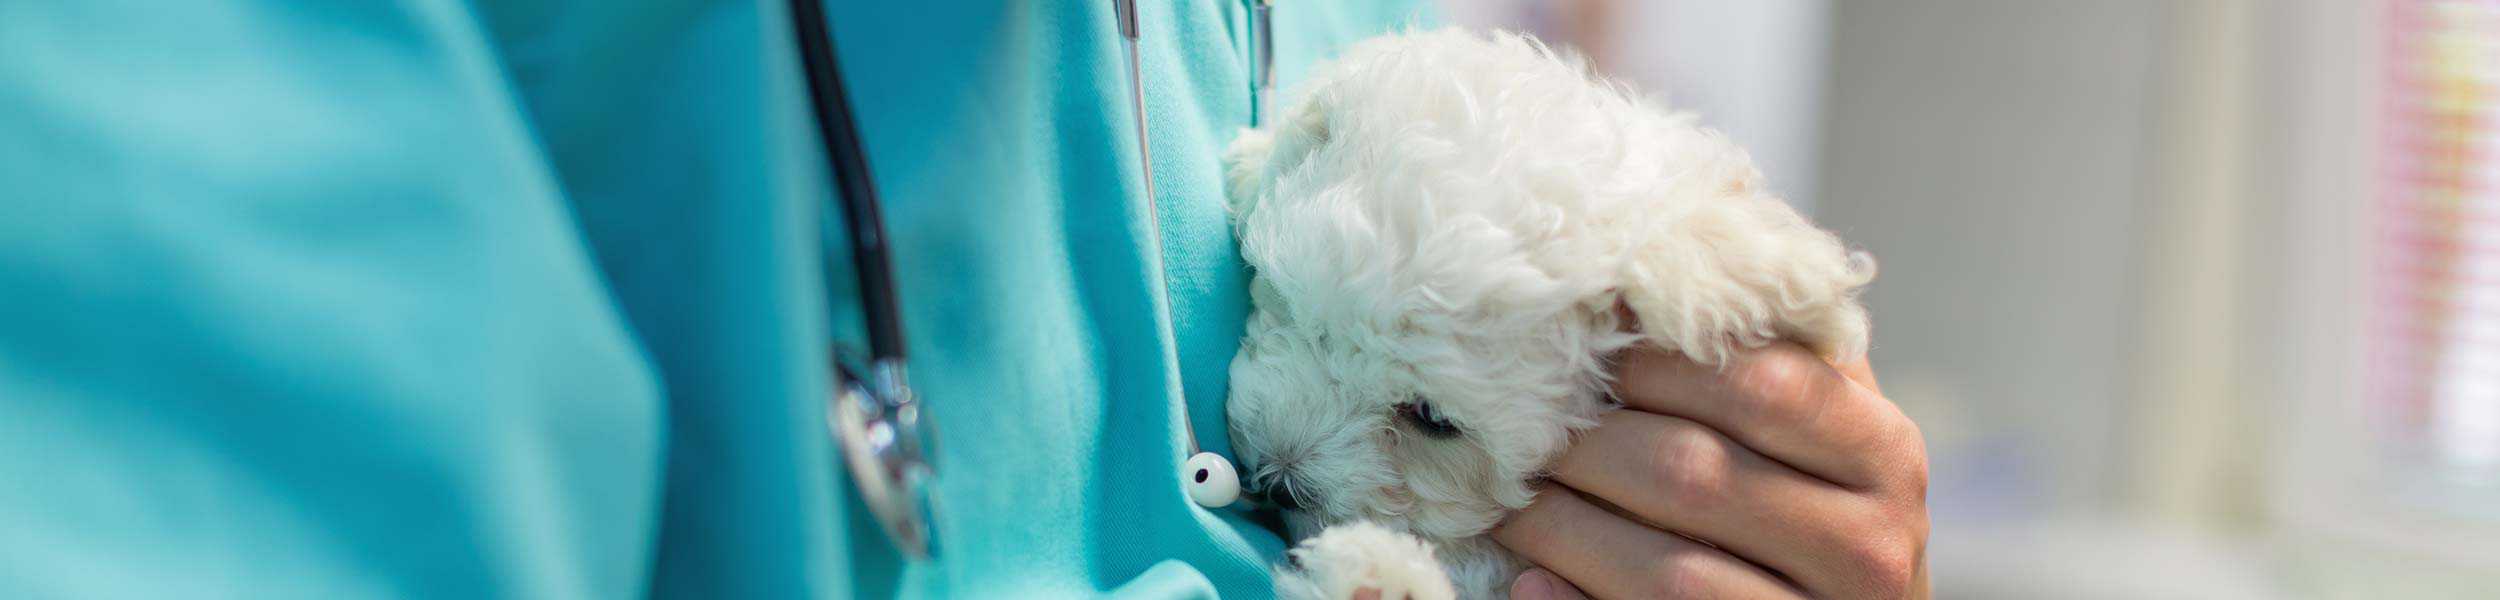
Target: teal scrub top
x=534 y=298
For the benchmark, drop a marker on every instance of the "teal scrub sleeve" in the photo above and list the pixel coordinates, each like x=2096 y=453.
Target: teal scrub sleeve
x=532 y=299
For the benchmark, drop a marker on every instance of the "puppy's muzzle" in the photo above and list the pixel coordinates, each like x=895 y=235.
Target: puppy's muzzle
x=1278 y=495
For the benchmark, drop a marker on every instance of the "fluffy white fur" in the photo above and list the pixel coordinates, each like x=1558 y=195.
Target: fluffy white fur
x=1454 y=219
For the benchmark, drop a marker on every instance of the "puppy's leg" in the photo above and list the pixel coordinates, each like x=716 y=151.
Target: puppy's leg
x=1360 y=560
x=1740 y=270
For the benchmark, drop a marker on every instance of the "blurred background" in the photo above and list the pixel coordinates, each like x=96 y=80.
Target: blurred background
x=2193 y=298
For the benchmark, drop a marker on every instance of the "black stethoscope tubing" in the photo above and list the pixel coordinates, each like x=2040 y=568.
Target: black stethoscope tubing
x=849 y=165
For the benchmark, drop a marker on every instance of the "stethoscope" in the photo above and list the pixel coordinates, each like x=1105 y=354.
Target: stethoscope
x=872 y=413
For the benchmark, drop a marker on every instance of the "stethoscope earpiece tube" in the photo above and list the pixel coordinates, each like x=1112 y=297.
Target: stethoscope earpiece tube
x=1207 y=478
x=1262 y=60
x=874 y=416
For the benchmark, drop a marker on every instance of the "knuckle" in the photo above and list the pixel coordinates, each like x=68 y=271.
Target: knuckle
x=1782 y=388
x=1915 y=476
x=1692 y=467
x=1886 y=569
x=1771 y=372
x=1909 y=468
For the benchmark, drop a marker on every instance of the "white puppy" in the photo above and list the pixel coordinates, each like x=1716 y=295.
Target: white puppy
x=1449 y=232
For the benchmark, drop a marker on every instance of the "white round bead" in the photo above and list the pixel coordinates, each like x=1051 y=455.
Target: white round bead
x=1211 y=480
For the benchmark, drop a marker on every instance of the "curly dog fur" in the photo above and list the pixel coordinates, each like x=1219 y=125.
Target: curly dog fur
x=1451 y=234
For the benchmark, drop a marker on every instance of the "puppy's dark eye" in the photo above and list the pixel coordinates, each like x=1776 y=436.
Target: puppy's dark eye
x=1419 y=415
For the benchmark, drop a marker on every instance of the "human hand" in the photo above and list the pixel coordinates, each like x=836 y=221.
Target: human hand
x=1779 y=476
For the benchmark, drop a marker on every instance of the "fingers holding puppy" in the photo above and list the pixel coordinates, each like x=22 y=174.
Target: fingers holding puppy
x=1686 y=478
x=1610 y=556
x=1787 y=403
x=1794 y=467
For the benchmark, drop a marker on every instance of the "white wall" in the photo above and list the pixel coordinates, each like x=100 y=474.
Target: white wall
x=1990 y=155
x=2121 y=247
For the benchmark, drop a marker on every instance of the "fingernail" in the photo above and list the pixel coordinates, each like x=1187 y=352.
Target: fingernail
x=1533 y=585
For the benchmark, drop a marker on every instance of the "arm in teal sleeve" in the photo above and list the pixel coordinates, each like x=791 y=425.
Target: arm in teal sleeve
x=291 y=305
x=528 y=299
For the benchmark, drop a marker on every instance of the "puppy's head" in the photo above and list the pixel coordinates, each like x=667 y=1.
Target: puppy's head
x=1428 y=324
x=1430 y=420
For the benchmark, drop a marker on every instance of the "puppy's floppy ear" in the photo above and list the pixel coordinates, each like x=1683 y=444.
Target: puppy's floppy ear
x=1259 y=156
x=1741 y=270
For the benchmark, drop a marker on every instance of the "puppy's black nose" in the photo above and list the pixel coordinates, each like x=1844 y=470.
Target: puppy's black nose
x=1277 y=495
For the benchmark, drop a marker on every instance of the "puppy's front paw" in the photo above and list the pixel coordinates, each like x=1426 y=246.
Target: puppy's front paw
x=1360 y=561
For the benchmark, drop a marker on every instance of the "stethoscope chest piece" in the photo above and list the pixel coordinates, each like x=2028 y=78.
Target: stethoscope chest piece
x=884 y=444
